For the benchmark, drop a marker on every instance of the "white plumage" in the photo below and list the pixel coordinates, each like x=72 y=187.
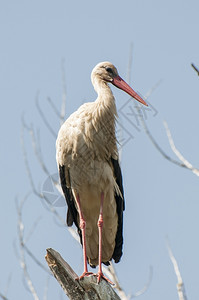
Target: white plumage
x=90 y=175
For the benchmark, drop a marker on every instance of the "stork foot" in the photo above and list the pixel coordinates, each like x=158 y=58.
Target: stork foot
x=85 y=274
x=101 y=275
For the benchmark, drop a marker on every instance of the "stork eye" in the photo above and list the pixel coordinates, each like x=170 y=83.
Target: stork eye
x=109 y=70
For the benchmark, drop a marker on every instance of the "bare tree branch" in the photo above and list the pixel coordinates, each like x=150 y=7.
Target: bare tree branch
x=152 y=139
x=62 y=113
x=180 y=284
x=152 y=89
x=43 y=117
x=63 y=106
x=148 y=133
x=129 y=65
x=32 y=229
x=38 y=154
x=196 y=69
x=26 y=162
x=37 y=149
x=23 y=264
x=45 y=297
x=8 y=285
x=138 y=108
x=3 y=297
x=111 y=273
x=78 y=289
x=30 y=177
x=185 y=162
x=53 y=107
x=35 y=259
x=145 y=288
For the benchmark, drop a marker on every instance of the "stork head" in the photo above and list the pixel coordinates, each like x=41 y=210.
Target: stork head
x=105 y=71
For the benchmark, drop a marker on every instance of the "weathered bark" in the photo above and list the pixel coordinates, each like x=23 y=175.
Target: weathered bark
x=84 y=289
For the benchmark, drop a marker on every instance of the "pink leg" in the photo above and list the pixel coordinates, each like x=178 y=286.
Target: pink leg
x=82 y=226
x=100 y=226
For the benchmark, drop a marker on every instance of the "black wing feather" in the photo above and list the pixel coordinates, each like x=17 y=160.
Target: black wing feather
x=120 y=208
x=72 y=211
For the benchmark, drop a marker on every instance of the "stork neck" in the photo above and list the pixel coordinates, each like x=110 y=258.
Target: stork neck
x=103 y=118
x=105 y=95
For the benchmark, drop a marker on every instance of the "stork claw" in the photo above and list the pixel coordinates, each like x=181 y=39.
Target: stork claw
x=101 y=275
x=85 y=274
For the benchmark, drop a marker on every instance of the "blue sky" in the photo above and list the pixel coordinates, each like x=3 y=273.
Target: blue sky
x=161 y=198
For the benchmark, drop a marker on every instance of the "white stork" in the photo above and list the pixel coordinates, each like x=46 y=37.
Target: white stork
x=90 y=173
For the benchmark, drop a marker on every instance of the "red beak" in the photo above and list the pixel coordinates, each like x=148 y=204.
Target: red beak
x=121 y=84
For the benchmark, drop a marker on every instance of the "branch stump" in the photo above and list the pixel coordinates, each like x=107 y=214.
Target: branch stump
x=84 y=289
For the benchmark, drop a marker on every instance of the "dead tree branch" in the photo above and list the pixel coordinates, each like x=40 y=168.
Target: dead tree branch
x=7 y=286
x=111 y=273
x=145 y=288
x=53 y=107
x=129 y=65
x=30 y=177
x=184 y=161
x=63 y=106
x=154 y=142
x=180 y=284
x=3 y=297
x=45 y=297
x=87 y=288
x=23 y=264
x=43 y=117
x=195 y=68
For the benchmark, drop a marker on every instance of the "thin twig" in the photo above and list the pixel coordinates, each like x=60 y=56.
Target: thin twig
x=3 y=297
x=37 y=150
x=27 y=163
x=63 y=106
x=35 y=259
x=38 y=153
x=152 y=139
x=111 y=273
x=195 y=68
x=22 y=254
x=145 y=288
x=30 y=177
x=147 y=131
x=8 y=284
x=129 y=65
x=180 y=284
x=32 y=229
x=42 y=196
x=152 y=89
x=184 y=161
x=45 y=297
x=53 y=107
x=43 y=116
x=27 y=250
